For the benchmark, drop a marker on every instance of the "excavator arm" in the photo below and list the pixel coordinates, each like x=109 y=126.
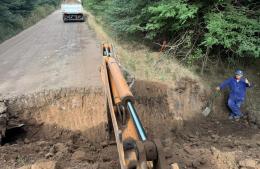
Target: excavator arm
x=135 y=149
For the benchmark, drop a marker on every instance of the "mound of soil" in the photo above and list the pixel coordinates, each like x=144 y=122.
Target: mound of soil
x=214 y=143
x=173 y=114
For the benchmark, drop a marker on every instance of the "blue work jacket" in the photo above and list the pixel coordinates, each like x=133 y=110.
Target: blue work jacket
x=237 y=88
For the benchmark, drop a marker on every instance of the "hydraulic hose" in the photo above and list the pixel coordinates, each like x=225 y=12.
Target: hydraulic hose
x=137 y=122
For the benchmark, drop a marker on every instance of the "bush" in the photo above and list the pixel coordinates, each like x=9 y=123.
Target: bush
x=37 y=14
x=231 y=26
x=233 y=30
x=169 y=16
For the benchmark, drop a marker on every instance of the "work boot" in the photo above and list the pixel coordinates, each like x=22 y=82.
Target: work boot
x=230 y=117
x=237 y=118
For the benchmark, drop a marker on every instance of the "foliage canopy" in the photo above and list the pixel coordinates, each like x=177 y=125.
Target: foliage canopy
x=15 y=14
x=232 y=25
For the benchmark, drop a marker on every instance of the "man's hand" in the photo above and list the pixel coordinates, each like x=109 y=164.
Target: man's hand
x=218 y=88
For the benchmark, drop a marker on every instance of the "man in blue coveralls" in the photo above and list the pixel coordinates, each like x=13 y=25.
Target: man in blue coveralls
x=237 y=86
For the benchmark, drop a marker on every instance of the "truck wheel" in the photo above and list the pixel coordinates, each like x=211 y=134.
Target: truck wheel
x=64 y=19
x=83 y=19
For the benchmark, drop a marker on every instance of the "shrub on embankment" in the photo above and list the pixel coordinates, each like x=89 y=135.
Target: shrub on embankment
x=17 y=15
x=195 y=31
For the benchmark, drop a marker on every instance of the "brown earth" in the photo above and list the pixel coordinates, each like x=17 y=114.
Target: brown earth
x=68 y=127
x=190 y=139
x=64 y=115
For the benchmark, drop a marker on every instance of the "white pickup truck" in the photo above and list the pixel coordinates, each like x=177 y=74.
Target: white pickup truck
x=72 y=12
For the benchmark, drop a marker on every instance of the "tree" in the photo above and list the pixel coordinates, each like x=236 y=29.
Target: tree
x=231 y=25
x=233 y=30
x=14 y=14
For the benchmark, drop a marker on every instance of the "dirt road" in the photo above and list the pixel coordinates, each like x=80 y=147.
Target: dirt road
x=50 y=54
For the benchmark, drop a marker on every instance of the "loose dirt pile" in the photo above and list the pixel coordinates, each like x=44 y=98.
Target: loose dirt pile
x=67 y=129
x=215 y=143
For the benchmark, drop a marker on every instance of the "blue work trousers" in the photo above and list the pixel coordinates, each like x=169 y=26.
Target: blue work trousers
x=234 y=106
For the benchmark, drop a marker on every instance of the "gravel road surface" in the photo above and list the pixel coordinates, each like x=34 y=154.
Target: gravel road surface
x=50 y=55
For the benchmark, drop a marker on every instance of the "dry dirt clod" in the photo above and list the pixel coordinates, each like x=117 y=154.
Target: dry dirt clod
x=168 y=152
x=45 y=165
x=213 y=150
x=174 y=166
x=49 y=155
x=51 y=152
x=26 y=141
x=25 y=167
x=78 y=155
x=112 y=143
x=203 y=161
x=3 y=107
x=93 y=148
x=41 y=143
x=168 y=142
x=60 y=147
x=196 y=164
x=104 y=144
x=257 y=139
x=214 y=136
x=258 y=143
x=187 y=149
x=249 y=163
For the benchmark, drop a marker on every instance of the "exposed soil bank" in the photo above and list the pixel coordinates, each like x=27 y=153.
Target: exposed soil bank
x=82 y=110
x=68 y=126
x=77 y=110
x=163 y=109
x=75 y=119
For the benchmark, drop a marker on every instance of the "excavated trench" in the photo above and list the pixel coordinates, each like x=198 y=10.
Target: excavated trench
x=68 y=126
x=82 y=110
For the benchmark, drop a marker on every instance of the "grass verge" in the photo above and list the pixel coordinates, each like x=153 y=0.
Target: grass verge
x=40 y=12
x=142 y=62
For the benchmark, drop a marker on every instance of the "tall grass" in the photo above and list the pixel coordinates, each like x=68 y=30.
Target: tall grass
x=8 y=30
x=142 y=62
x=39 y=13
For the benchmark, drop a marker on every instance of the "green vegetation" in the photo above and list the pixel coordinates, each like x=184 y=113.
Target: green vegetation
x=17 y=15
x=195 y=31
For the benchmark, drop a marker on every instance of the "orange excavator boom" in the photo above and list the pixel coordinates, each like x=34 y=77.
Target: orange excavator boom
x=135 y=149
